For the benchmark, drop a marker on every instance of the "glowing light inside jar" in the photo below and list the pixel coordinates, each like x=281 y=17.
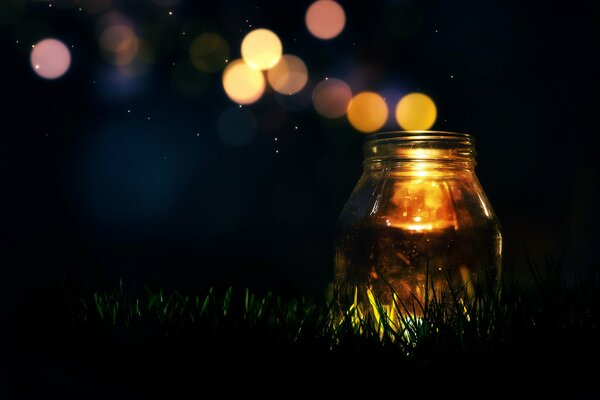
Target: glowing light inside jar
x=422 y=202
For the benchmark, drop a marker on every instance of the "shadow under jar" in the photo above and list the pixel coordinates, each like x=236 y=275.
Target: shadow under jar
x=417 y=225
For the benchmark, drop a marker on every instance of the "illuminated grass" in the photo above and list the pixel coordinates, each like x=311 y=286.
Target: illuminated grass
x=484 y=323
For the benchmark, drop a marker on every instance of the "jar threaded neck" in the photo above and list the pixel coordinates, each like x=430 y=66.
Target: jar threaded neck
x=420 y=146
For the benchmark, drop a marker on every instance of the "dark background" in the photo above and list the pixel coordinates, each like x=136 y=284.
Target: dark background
x=92 y=191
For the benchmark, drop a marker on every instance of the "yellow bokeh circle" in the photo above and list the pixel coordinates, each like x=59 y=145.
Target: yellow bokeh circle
x=416 y=111
x=367 y=112
x=243 y=84
x=261 y=49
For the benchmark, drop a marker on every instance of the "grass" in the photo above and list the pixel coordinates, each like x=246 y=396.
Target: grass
x=545 y=326
x=485 y=321
x=122 y=343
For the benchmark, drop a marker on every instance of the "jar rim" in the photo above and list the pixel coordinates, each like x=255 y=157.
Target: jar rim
x=419 y=145
x=418 y=135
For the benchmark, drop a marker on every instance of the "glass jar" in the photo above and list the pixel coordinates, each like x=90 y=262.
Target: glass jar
x=418 y=224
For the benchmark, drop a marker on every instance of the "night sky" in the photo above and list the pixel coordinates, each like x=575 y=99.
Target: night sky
x=127 y=171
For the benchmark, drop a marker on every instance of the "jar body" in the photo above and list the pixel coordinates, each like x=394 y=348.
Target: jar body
x=417 y=226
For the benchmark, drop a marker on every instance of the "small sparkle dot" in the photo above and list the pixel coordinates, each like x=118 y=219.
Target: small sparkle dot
x=183 y=33
x=326 y=78
x=37 y=66
x=94 y=82
x=170 y=12
x=296 y=127
x=17 y=41
x=197 y=134
x=240 y=106
x=148 y=118
x=436 y=31
x=451 y=76
x=33 y=45
x=275 y=139
x=128 y=111
x=80 y=9
x=276 y=151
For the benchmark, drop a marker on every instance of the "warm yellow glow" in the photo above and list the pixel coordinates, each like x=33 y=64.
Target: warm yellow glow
x=331 y=97
x=325 y=19
x=367 y=112
x=289 y=75
x=120 y=44
x=209 y=52
x=261 y=49
x=416 y=111
x=467 y=281
x=243 y=84
x=419 y=228
x=422 y=204
x=420 y=154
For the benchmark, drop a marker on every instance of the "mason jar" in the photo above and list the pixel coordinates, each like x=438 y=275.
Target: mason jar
x=418 y=225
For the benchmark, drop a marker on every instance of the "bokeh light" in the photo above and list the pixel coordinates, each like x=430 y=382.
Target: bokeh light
x=261 y=49
x=331 y=97
x=119 y=43
x=325 y=19
x=236 y=126
x=243 y=84
x=50 y=58
x=289 y=75
x=367 y=112
x=209 y=52
x=416 y=111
